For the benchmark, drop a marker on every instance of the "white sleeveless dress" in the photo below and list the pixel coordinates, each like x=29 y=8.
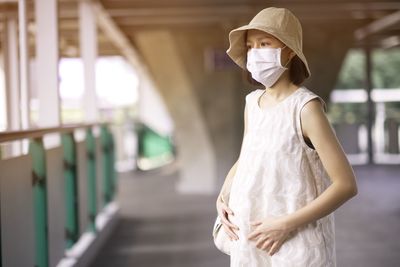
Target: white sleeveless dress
x=277 y=174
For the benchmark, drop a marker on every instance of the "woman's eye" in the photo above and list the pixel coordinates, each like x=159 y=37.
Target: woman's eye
x=264 y=44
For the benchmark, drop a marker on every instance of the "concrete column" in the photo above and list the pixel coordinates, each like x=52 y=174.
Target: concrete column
x=3 y=100
x=218 y=89
x=88 y=47
x=47 y=57
x=11 y=82
x=195 y=151
x=325 y=66
x=23 y=65
x=11 y=70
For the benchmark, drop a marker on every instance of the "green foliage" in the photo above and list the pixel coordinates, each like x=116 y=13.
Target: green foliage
x=386 y=66
x=385 y=69
x=348 y=113
x=385 y=74
x=352 y=73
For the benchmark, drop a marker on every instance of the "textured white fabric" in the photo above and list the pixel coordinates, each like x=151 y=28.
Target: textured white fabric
x=277 y=174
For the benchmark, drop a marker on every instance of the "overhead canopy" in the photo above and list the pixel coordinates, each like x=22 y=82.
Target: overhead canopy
x=377 y=20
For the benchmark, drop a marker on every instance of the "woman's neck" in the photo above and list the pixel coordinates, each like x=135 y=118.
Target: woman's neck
x=282 y=87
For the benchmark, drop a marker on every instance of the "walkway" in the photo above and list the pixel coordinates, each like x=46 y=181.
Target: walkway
x=161 y=228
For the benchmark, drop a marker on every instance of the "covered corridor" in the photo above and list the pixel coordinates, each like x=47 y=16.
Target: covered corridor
x=174 y=230
x=120 y=119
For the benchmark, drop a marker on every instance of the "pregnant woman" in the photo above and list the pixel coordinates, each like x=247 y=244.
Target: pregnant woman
x=277 y=202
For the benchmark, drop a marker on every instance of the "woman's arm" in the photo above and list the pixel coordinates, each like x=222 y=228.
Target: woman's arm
x=317 y=128
x=226 y=187
x=223 y=198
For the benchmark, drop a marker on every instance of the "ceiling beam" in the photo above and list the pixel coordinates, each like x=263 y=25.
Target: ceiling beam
x=378 y=25
x=115 y=34
x=296 y=4
x=391 y=41
x=301 y=7
x=305 y=10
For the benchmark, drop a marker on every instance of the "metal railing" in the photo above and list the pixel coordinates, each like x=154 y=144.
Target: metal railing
x=73 y=192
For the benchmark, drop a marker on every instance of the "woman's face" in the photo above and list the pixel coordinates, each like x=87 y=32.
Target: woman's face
x=260 y=39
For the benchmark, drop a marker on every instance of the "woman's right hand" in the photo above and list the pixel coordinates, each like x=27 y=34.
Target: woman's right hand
x=223 y=212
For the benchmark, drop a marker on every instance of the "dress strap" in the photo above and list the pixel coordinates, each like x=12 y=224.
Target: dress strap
x=312 y=96
x=304 y=100
x=252 y=95
x=251 y=98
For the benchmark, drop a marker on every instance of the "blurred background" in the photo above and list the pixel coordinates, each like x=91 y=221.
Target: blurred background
x=120 y=119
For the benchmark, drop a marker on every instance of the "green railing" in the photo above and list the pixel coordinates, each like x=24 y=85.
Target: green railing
x=39 y=178
x=154 y=150
x=39 y=189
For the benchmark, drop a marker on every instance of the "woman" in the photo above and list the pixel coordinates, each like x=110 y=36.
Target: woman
x=277 y=202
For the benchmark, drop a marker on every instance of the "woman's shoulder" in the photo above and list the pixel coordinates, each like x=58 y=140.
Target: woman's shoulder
x=307 y=95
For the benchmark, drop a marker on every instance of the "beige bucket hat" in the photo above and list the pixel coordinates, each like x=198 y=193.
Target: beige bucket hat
x=279 y=22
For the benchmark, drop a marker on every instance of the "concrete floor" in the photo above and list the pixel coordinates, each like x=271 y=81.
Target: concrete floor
x=161 y=228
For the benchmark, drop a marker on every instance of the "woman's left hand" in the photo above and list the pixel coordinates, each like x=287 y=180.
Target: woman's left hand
x=269 y=233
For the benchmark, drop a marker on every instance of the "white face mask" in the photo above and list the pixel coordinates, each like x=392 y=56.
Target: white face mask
x=265 y=65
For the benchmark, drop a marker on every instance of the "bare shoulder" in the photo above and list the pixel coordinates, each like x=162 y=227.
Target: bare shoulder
x=314 y=106
x=313 y=117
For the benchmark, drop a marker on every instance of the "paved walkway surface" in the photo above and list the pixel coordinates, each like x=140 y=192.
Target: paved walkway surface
x=159 y=227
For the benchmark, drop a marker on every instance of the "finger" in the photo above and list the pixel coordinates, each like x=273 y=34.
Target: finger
x=255 y=223
x=260 y=242
x=229 y=229
x=274 y=248
x=267 y=245
x=231 y=233
x=253 y=235
x=226 y=221
x=229 y=210
x=229 y=223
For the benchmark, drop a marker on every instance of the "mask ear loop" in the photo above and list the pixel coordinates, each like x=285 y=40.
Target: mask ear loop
x=288 y=60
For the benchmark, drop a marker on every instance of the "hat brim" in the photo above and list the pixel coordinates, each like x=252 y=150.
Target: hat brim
x=237 y=50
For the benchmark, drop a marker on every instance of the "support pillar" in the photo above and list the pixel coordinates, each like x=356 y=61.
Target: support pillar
x=12 y=74
x=47 y=57
x=88 y=47
x=196 y=154
x=23 y=65
x=12 y=83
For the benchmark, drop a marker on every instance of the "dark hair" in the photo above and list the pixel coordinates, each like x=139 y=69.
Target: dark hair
x=297 y=72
